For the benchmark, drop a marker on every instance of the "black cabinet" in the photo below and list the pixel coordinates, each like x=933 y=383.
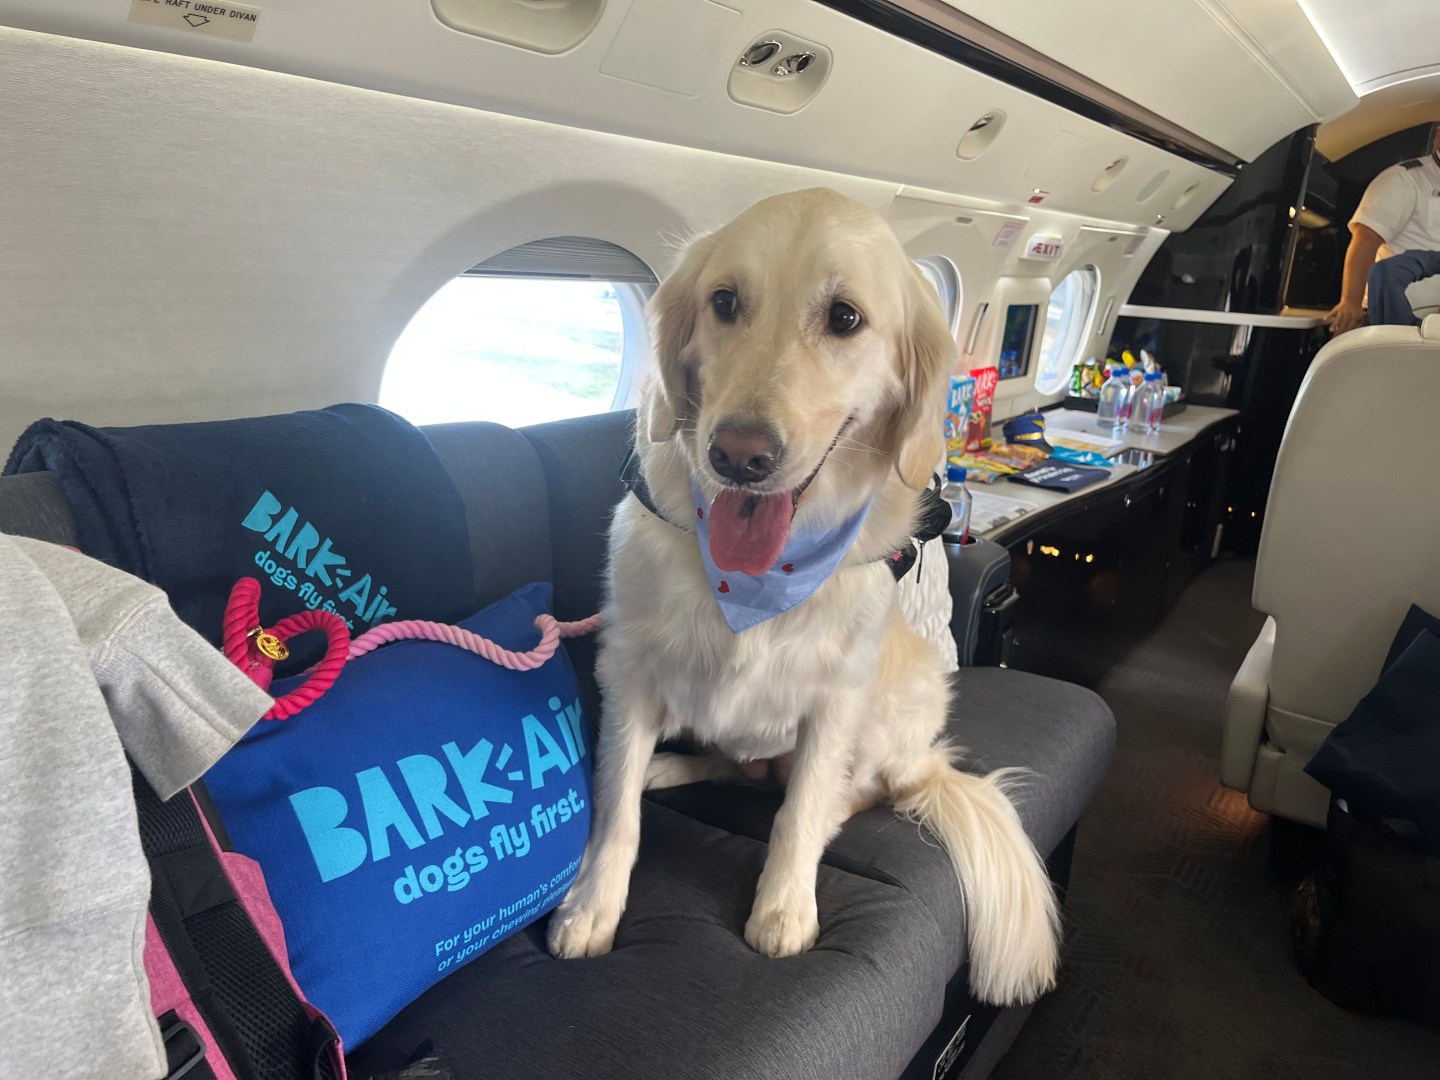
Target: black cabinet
x=1097 y=573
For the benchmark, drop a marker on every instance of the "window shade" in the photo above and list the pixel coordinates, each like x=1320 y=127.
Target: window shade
x=566 y=257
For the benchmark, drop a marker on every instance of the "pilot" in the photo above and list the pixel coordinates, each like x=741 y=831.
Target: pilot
x=1399 y=220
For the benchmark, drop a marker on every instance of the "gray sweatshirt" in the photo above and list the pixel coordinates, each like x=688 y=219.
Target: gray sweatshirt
x=93 y=666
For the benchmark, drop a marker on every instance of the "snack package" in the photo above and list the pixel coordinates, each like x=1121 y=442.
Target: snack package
x=1016 y=456
x=980 y=469
x=957 y=412
x=977 y=429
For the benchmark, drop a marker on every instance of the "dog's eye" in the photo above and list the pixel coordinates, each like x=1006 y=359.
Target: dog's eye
x=725 y=304
x=843 y=319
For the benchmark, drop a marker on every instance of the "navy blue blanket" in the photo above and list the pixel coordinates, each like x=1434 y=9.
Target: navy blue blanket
x=346 y=508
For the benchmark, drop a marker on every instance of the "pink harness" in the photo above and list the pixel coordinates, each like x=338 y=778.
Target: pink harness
x=255 y=650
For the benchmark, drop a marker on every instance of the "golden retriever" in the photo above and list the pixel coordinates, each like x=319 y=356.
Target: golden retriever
x=802 y=368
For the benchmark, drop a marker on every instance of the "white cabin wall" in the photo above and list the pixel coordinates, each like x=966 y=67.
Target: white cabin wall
x=183 y=239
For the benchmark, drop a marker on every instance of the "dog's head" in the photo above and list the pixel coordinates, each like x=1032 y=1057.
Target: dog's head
x=802 y=359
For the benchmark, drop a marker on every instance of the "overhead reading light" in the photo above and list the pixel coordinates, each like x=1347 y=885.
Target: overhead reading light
x=759 y=53
x=793 y=65
x=779 y=72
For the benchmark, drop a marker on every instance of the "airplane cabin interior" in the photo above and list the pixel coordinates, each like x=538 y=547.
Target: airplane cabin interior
x=836 y=539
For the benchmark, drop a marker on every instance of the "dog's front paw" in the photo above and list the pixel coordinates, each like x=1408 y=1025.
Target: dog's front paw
x=583 y=929
x=783 y=929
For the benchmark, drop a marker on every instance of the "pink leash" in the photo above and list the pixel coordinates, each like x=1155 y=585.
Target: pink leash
x=255 y=650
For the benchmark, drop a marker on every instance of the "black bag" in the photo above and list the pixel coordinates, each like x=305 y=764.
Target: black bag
x=1367 y=927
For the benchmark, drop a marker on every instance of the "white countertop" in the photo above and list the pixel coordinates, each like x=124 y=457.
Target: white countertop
x=1175 y=433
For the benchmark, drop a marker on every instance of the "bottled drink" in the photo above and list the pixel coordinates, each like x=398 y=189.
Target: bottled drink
x=1114 y=407
x=958 y=496
x=1149 y=408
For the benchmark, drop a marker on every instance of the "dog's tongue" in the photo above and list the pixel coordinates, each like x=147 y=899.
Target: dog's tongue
x=748 y=532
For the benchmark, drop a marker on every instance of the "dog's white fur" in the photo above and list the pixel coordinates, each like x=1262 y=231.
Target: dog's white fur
x=839 y=688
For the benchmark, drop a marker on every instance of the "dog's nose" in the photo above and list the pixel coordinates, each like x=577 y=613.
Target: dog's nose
x=744 y=455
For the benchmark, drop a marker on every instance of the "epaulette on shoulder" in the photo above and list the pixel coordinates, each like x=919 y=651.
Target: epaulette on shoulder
x=1413 y=163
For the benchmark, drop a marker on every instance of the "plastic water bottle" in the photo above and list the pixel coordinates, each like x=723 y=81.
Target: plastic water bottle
x=1114 y=408
x=958 y=496
x=1149 y=407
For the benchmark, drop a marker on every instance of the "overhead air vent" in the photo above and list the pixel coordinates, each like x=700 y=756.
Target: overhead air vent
x=1185 y=196
x=543 y=26
x=981 y=135
x=1109 y=175
x=566 y=257
x=1155 y=183
x=779 y=72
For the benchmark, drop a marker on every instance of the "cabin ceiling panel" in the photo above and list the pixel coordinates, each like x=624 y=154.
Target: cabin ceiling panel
x=887 y=109
x=1380 y=43
x=1240 y=74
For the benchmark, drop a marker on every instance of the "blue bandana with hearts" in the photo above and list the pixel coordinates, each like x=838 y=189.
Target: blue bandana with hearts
x=809 y=558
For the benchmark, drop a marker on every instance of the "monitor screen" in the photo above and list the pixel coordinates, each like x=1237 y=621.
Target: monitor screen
x=1017 y=340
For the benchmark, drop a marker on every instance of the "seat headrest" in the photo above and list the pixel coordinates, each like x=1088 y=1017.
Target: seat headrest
x=1430 y=328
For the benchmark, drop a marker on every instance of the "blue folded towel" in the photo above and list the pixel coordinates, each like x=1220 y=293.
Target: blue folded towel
x=346 y=508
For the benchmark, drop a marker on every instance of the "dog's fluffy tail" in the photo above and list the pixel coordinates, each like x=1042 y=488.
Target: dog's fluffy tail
x=1014 y=922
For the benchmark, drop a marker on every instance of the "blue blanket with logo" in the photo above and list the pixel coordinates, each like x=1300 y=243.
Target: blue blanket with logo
x=346 y=508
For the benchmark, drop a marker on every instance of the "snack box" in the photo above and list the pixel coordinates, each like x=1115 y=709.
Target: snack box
x=957 y=413
x=977 y=429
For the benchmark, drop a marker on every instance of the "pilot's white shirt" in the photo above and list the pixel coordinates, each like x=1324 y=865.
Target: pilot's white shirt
x=1402 y=205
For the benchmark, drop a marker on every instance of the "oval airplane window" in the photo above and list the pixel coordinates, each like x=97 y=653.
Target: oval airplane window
x=942 y=274
x=545 y=331
x=1068 y=320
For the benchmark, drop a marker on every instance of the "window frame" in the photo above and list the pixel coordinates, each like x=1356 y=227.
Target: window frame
x=1069 y=346
x=943 y=267
x=634 y=297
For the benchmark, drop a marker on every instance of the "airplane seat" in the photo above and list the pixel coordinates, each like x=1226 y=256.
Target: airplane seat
x=1424 y=297
x=1349 y=543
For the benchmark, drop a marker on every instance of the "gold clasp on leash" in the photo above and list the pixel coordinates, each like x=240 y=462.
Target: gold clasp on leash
x=270 y=646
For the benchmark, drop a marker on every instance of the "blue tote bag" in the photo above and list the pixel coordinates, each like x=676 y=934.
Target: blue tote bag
x=428 y=805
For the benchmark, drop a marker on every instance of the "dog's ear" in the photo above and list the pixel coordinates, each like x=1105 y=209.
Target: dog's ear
x=672 y=314
x=926 y=353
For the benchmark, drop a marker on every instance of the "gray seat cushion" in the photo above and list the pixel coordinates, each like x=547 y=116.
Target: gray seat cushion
x=33 y=505
x=683 y=995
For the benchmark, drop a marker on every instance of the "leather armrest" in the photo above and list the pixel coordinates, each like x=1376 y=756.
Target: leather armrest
x=1245 y=711
x=976 y=570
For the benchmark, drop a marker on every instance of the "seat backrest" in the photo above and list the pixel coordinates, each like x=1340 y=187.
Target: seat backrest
x=1352 y=528
x=537 y=505
x=33 y=505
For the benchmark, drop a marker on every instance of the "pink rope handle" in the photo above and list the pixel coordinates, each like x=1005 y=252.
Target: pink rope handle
x=242 y=614
x=324 y=674
x=242 y=620
x=551 y=632
x=238 y=627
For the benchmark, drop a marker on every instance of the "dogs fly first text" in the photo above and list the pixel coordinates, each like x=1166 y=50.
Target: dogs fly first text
x=314 y=556
x=480 y=774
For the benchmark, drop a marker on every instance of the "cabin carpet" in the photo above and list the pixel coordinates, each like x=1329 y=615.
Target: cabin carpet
x=1178 y=961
